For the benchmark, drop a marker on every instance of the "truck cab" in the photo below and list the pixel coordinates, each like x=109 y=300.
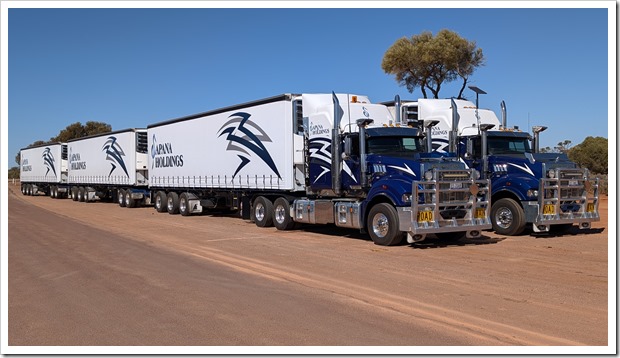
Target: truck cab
x=546 y=190
x=386 y=181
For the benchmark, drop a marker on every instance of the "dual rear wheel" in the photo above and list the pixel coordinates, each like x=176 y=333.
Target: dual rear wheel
x=173 y=203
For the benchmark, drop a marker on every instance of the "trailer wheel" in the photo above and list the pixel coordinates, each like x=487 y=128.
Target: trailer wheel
x=507 y=217
x=383 y=225
x=184 y=208
x=282 y=215
x=80 y=194
x=173 y=203
x=121 y=198
x=129 y=201
x=29 y=189
x=161 y=202
x=262 y=212
x=52 y=193
x=74 y=193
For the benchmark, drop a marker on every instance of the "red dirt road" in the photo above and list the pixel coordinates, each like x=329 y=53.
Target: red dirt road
x=98 y=274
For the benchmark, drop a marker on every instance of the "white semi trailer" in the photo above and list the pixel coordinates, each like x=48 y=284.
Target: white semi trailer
x=110 y=166
x=43 y=169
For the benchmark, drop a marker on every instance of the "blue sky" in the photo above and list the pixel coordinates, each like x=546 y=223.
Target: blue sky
x=134 y=67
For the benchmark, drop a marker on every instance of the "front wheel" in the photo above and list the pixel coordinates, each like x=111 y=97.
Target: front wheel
x=507 y=217
x=382 y=225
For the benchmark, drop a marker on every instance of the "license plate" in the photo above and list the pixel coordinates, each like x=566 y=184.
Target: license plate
x=480 y=213
x=590 y=207
x=573 y=182
x=548 y=209
x=456 y=186
x=425 y=216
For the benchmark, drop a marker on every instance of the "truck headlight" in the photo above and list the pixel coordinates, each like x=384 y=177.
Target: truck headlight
x=428 y=175
x=476 y=174
x=407 y=197
x=532 y=193
x=551 y=174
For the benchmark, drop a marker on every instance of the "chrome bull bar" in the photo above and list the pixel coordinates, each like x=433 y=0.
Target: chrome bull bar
x=566 y=199
x=443 y=206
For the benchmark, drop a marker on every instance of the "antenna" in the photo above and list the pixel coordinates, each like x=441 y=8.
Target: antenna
x=478 y=92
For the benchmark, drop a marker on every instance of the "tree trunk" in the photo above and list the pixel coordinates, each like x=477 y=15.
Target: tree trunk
x=462 y=88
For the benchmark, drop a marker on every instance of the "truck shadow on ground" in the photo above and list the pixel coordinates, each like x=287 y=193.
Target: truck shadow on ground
x=434 y=243
x=430 y=242
x=573 y=231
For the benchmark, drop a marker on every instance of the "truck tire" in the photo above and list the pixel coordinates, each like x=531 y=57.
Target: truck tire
x=262 y=212
x=74 y=193
x=161 y=202
x=382 y=224
x=282 y=219
x=121 y=198
x=129 y=201
x=52 y=192
x=81 y=193
x=184 y=208
x=172 y=203
x=507 y=217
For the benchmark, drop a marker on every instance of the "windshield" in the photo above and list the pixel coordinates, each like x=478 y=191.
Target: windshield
x=503 y=145
x=394 y=146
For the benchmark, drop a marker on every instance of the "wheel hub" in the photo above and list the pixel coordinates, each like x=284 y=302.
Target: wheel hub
x=279 y=214
x=503 y=218
x=259 y=212
x=380 y=225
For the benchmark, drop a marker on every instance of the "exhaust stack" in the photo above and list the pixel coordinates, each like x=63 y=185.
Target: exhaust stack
x=504 y=115
x=429 y=124
x=398 y=107
x=536 y=142
x=336 y=152
x=362 y=123
x=454 y=133
x=485 y=150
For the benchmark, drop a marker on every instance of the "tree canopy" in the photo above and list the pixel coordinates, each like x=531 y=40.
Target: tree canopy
x=592 y=154
x=428 y=61
x=72 y=131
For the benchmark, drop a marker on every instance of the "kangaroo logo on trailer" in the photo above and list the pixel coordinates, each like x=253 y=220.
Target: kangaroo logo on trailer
x=114 y=153
x=242 y=138
x=48 y=160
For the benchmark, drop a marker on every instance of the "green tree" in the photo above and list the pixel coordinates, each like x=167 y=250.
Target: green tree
x=592 y=154
x=14 y=173
x=77 y=130
x=427 y=62
x=563 y=147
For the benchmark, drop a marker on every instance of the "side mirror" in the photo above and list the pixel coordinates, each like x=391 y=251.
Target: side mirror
x=470 y=149
x=348 y=147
